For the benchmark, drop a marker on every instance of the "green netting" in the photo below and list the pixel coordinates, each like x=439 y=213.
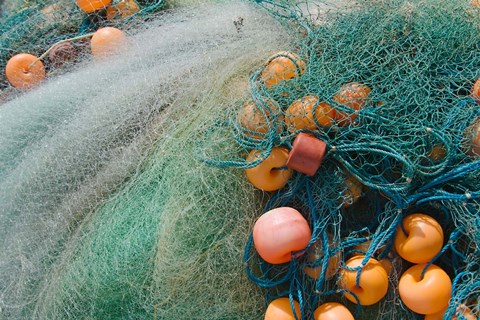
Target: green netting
x=163 y=244
x=399 y=76
x=107 y=212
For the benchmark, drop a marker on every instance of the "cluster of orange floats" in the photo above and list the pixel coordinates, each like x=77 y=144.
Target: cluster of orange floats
x=284 y=230
x=25 y=70
x=424 y=288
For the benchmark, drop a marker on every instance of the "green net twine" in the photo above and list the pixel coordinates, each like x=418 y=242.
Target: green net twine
x=105 y=211
x=410 y=144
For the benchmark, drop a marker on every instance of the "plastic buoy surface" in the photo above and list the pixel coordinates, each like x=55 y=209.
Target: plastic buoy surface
x=353 y=95
x=279 y=232
x=422 y=241
x=22 y=74
x=280 y=309
x=271 y=174
x=373 y=284
x=307 y=154
x=92 y=5
x=283 y=66
x=332 y=311
x=106 y=41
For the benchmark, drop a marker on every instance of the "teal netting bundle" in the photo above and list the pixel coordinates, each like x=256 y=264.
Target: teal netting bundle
x=388 y=86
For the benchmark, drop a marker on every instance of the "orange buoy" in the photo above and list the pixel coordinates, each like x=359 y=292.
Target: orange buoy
x=423 y=241
x=462 y=309
x=92 y=5
x=268 y=176
x=362 y=248
x=353 y=95
x=252 y=119
x=279 y=232
x=106 y=41
x=280 y=309
x=332 y=311
x=475 y=93
x=299 y=115
x=438 y=152
x=428 y=295
x=373 y=281
x=472 y=135
x=21 y=73
x=123 y=9
x=316 y=255
x=282 y=66
x=353 y=191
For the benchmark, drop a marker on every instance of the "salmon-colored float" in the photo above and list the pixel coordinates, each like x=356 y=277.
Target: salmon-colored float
x=279 y=232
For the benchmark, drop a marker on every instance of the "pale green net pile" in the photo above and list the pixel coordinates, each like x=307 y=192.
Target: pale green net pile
x=106 y=213
x=117 y=196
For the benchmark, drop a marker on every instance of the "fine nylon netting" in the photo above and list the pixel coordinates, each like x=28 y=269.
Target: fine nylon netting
x=168 y=243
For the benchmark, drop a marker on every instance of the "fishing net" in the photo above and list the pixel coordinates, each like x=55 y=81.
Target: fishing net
x=105 y=211
x=35 y=26
x=387 y=86
x=108 y=210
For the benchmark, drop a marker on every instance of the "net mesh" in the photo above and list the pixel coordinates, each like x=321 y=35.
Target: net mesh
x=388 y=86
x=35 y=26
x=108 y=212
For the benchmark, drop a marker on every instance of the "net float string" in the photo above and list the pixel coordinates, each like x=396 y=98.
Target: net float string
x=42 y=56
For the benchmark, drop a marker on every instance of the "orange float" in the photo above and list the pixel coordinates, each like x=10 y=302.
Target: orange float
x=461 y=309
x=267 y=176
x=423 y=241
x=106 y=41
x=123 y=9
x=315 y=254
x=373 y=281
x=252 y=119
x=472 y=135
x=92 y=5
x=332 y=311
x=21 y=73
x=279 y=232
x=353 y=95
x=282 y=66
x=299 y=115
x=438 y=152
x=280 y=309
x=428 y=295
x=475 y=93
x=362 y=248
x=353 y=191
